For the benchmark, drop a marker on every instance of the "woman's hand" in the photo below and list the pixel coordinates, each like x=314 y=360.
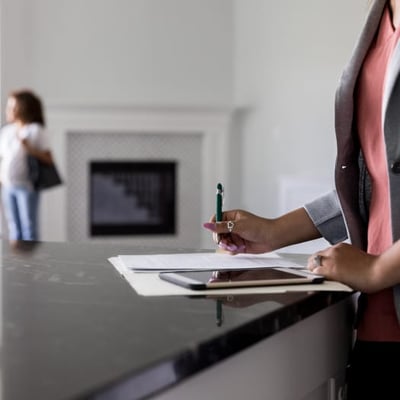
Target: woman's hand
x=348 y=264
x=43 y=155
x=243 y=232
x=25 y=144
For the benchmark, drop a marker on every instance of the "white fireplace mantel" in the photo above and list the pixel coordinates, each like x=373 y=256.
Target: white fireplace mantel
x=213 y=124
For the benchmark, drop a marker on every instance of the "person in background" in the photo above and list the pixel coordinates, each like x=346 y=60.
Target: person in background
x=364 y=207
x=24 y=134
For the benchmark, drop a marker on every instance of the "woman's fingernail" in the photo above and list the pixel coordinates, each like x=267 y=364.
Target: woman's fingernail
x=210 y=226
x=228 y=247
x=232 y=247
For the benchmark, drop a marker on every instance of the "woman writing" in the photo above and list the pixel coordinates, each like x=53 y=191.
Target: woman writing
x=24 y=134
x=365 y=207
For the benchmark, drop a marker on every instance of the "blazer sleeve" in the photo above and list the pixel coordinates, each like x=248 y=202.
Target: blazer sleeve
x=327 y=216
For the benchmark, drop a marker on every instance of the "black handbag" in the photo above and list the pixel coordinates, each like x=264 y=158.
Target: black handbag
x=43 y=175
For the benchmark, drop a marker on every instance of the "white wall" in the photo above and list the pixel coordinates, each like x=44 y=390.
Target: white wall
x=140 y=52
x=15 y=33
x=278 y=62
x=288 y=59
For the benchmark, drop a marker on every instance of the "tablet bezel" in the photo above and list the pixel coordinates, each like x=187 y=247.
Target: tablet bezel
x=186 y=279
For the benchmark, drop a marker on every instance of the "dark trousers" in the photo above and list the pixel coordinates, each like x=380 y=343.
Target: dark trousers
x=374 y=371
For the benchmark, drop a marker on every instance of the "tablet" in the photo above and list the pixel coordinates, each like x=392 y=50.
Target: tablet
x=204 y=280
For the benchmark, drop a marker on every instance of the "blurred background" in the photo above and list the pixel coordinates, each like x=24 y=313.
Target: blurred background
x=237 y=91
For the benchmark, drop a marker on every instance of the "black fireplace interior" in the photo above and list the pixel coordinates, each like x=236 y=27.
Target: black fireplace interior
x=132 y=198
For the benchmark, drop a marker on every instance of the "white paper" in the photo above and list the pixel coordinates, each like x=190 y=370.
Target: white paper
x=202 y=261
x=151 y=285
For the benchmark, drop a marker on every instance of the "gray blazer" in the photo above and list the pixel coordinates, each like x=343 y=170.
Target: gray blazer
x=344 y=212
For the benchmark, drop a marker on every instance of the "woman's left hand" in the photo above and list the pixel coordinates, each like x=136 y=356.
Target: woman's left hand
x=347 y=264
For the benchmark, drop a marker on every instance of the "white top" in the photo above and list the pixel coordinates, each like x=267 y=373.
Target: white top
x=14 y=169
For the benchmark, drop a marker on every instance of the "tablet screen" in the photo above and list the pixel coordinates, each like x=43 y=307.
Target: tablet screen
x=240 y=275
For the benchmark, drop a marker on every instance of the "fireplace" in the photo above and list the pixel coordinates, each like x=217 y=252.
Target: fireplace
x=132 y=198
x=135 y=161
x=194 y=138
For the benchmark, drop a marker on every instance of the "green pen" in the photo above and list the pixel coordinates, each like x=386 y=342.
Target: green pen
x=220 y=196
x=219 y=201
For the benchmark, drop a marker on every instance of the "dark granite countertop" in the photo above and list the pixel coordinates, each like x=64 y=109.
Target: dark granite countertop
x=73 y=328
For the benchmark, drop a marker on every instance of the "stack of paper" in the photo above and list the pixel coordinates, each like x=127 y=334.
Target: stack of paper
x=202 y=261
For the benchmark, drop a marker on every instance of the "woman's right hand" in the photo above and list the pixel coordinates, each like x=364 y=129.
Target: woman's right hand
x=249 y=233
x=243 y=232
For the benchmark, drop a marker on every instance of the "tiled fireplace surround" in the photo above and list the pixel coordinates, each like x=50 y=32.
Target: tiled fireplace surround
x=195 y=138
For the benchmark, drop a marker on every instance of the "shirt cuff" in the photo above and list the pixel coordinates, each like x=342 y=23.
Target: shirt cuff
x=327 y=216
